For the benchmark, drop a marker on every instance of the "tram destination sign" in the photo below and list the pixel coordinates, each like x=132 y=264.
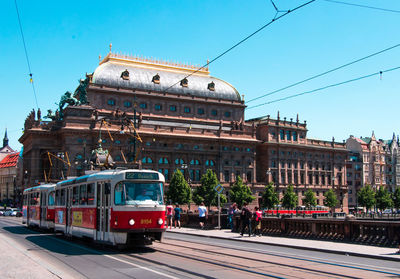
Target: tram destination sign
x=142 y=175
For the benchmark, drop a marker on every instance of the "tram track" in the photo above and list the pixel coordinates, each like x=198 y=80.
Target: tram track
x=355 y=269
x=249 y=262
x=386 y=270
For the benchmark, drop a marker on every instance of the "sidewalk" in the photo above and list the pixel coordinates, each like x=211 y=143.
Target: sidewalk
x=315 y=245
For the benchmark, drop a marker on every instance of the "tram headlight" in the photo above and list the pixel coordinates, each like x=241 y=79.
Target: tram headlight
x=160 y=221
x=131 y=222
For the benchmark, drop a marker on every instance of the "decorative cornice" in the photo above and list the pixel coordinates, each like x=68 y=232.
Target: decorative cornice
x=153 y=63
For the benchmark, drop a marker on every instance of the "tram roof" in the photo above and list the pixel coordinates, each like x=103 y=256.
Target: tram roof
x=40 y=187
x=103 y=175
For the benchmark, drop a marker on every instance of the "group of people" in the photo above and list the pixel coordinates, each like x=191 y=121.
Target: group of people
x=175 y=213
x=248 y=219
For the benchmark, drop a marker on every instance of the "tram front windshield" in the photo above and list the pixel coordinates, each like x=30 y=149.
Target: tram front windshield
x=130 y=193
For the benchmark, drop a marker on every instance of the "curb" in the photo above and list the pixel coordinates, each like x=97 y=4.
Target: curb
x=296 y=247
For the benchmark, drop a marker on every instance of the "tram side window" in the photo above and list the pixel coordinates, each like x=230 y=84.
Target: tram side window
x=24 y=200
x=119 y=195
x=62 y=197
x=83 y=195
x=90 y=194
x=51 y=198
x=75 y=195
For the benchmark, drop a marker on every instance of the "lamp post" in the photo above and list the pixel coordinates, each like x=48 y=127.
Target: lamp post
x=267 y=174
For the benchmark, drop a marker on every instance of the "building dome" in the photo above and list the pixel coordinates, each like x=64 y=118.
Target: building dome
x=149 y=75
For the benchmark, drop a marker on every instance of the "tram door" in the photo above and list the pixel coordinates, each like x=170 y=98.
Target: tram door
x=103 y=211
x=68 y=218
x=43 y=211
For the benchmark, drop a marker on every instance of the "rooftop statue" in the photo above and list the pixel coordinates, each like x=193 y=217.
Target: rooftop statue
x=67 y=98
x=81 y=93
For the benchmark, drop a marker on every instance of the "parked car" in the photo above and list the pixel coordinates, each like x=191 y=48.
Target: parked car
x=17 y=212
x=11 y=212
x=1 y=212
x=387 y=211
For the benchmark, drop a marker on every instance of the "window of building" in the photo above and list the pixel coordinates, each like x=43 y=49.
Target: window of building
x=210 y=163
x=288 y=135
x=214 y=112
x=179 y=161
x=158 y=107
x=111 y=102
x=127 y=104
x=195 y=162
x=248 y=176
x=143 y=105
x=294 y=136
x=147 y=160
x=226 y=176
x=172 y=108
x=227 y=114
x=200 y=111
x=163 y=161
x=282 y=134
x=186 y=109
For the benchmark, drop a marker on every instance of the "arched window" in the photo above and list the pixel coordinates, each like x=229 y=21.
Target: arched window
x=179 y=161
x=147 y=160
x=210 y=163
x=163 y=160
x=195 y=162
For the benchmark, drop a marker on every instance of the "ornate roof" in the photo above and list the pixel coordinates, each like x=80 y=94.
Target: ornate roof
x=146 y=74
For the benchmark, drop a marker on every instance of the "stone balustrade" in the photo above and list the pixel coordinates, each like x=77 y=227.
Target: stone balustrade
x=371 y=232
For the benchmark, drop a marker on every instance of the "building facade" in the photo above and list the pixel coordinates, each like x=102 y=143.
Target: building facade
x=372 y=162
x=286 y=156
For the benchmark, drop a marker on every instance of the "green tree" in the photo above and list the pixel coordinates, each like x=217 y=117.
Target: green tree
x=330 y=199
x=309 y=198
x=206 y=192
x=240 y=192
x=270 y=197
x=290 y=199
x=179 y=190
x=383 y=199
x=366 y=197
x=396 y=198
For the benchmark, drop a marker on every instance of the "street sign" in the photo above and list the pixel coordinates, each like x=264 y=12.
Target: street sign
x=219 y=188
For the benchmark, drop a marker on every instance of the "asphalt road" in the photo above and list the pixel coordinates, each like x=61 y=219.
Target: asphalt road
x=29 y=253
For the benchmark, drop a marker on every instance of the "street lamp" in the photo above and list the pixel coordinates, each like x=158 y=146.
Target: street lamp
x=267 y=173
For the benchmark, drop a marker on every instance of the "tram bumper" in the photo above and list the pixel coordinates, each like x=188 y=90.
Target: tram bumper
x=137 y=236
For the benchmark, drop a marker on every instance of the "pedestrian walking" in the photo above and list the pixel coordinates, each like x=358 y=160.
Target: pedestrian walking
x=231 y=212
x=245 y=219
x=202 y=215
x=177 y=216
x=257 y=215
x=170 y=209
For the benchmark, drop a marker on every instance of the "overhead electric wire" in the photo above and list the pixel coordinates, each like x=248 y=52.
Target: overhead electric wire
x=324 y=73
x=325 y=87
x=363 y=6
x=242 y=41
x=26 y=55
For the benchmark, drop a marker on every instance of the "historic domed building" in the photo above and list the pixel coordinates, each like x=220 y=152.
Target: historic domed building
x=162 y=115
x=137 y=112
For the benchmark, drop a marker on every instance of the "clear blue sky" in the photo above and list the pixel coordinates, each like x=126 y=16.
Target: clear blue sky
x=65 y=38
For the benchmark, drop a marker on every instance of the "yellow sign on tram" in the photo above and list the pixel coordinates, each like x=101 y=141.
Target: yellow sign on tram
x=77 y=218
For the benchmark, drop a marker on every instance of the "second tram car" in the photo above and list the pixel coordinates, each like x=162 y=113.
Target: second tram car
x=121 y=207
x=38 y=206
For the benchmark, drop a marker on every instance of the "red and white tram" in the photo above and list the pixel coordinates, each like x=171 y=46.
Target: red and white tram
x=38 y=206
x=118 y=207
